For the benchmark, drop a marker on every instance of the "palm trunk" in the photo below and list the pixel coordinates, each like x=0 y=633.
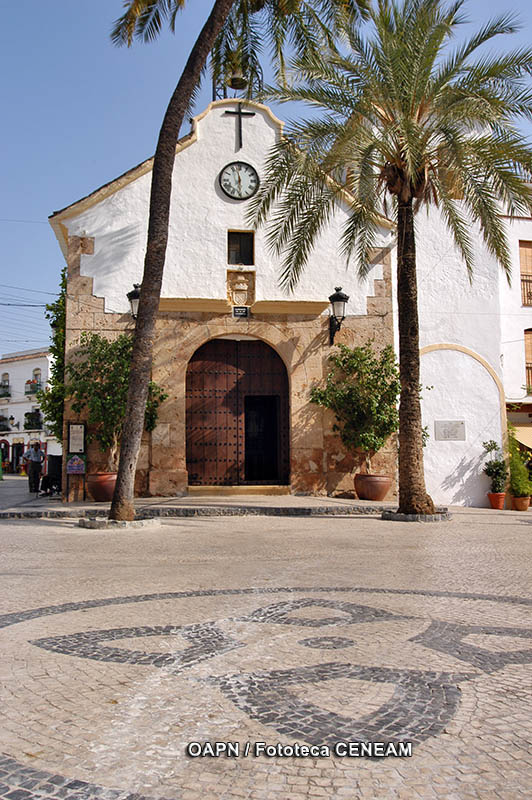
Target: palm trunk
x=413 y=497
x=161 y=189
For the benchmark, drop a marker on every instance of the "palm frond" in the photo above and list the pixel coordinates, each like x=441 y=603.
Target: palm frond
x=402 y=105
x=144 y=19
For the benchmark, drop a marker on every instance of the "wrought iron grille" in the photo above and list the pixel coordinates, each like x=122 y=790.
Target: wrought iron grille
x=529 y=378
x=526 y=290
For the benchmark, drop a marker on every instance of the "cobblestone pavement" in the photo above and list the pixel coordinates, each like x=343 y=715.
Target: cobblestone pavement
x=120 y=648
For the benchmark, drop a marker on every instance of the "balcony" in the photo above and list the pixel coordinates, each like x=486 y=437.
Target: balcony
x=5 y=389
x=33 y=421
x=4 y=424
x=30 y=387
x=526 y=290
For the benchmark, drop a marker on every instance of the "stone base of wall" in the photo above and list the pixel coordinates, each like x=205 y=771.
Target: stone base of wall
x=167 y=483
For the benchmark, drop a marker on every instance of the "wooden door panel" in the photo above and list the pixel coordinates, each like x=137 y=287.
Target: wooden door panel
x=220 y=376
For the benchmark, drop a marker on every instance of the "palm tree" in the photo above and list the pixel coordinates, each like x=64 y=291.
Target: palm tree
x=303 y=24
x=405 y=121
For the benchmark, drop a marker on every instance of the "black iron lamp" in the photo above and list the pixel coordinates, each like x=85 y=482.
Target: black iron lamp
x=134 y=296
x=12 y=422
x=338 y=302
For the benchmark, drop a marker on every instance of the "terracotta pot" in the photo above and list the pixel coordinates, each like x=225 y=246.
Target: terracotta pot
x=372 y=487
x=101 y=485
x=497 y=499
x=520 y=503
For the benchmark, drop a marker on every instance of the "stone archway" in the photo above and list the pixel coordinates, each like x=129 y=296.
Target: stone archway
x=237 y=415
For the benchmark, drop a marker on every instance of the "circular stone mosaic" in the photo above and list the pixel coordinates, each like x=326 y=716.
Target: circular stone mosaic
x=251 y=655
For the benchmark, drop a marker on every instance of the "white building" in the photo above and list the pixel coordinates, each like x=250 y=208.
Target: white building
x=476 y=355
x=22 y=374
x=475 y=337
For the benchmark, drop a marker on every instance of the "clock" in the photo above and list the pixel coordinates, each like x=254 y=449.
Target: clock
x=239 y=180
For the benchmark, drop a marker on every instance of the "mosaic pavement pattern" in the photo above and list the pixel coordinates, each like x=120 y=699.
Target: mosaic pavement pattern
x=104 y=696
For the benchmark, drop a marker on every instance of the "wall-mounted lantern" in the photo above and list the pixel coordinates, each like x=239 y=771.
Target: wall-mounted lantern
x=338 y=302
x=12 y=422
x=134 y=296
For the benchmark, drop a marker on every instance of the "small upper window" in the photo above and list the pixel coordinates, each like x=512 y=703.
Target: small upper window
x=525 y=263
x=525 y=257
x=240 y=247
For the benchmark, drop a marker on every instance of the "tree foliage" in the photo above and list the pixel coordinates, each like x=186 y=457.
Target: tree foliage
x=403 y=116
x=97 y=384
x=520 y=485
x=252 y=29
x=52 y=399
x=361 y=389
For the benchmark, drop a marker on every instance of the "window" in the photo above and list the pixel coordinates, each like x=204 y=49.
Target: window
x=240 y=247
x=5 y=391
x=525 y=263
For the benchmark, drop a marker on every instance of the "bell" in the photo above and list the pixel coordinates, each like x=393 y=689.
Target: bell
x=237 y=80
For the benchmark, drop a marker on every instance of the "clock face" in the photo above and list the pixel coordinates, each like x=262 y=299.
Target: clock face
x=239 y=180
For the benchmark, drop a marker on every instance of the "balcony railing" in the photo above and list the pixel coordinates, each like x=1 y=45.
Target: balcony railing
x=32 y=421
x=31 y=387
x=5 y=389
x=529 y=378
x=526 y=290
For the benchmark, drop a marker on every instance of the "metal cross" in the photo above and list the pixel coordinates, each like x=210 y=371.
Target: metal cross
x=240 y=114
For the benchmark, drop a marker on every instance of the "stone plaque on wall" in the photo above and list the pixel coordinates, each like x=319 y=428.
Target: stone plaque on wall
x=449 y=430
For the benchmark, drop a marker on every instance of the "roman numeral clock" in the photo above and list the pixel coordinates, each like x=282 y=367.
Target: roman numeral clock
x=239 y=180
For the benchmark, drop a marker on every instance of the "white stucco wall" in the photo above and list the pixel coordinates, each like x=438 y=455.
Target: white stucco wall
x=464 y=390
x=455 y=311
x=200 y=217
x=515 y=318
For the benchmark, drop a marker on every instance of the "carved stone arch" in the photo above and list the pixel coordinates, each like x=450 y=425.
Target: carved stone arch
x=487 y=366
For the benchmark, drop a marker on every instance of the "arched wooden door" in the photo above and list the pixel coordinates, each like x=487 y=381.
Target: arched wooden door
x=237 y=423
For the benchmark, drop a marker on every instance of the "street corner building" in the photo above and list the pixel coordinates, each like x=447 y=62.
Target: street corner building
x=22 y=376
x=238 y=357
x=235 y=354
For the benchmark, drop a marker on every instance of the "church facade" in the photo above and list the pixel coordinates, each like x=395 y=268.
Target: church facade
x=236 y=356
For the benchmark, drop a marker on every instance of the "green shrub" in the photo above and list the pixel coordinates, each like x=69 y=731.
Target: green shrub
x=362 y=390
x=97 y=384
x=495 y=468
x=520 y=485
x=52 y=399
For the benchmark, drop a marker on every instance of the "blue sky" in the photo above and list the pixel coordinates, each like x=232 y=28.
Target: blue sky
x=78 y=112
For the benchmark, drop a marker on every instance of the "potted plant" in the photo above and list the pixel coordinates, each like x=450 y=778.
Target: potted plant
x=97 y=384
x=520 y=485
x=497 y=471
x=362 y=390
